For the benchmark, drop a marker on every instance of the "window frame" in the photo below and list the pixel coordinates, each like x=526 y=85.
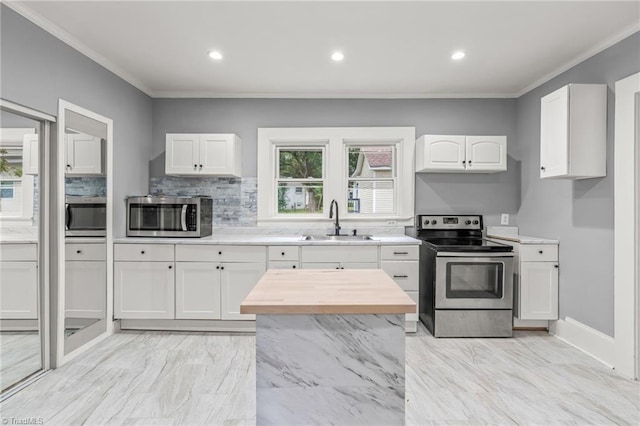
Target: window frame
x=14 y=137
x=278 y=179
x=336 y=141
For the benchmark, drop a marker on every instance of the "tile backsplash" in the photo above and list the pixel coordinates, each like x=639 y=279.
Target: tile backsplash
x=86 y=186
x=234 y=199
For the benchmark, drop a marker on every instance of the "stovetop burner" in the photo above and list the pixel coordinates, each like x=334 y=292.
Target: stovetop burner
x=456 y=234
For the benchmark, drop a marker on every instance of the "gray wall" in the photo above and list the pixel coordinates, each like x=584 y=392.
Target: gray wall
x=489 y=194
x=579 y=213
x=37 y=69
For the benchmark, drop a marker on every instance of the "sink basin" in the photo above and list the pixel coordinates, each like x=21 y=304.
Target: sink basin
x=337 y=238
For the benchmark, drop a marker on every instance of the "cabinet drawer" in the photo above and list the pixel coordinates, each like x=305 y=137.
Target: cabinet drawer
x=143 y=252
x=339 y=254
x=405 y=274
x=277 y=253
x=216 y=253
x=538 y=253
x=284 y=265
x=18 y=252
x=414 y=296
x=85 y=251
x=399 y=252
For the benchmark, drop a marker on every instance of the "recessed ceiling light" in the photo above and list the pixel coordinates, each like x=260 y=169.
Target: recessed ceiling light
x=337 y=56
x=214 y=54
x=458 y=55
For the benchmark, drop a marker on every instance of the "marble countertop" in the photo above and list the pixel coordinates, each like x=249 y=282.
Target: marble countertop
x=327 y=291
x=270 y=240
x=19 y=235
x=523 y=239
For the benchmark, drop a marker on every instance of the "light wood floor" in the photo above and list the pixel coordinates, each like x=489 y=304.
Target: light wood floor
x=19 y=356
x=208 y=379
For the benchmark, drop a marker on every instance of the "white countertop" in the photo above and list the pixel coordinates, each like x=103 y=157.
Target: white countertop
x=511 y=233
x=19 y=234
x=295 y=240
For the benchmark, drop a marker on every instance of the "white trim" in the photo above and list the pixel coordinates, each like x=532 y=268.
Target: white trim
x=330 y=95
x=63 y=105
x=34 y=114
x=621 y=35
x=23 y=9
x=588 y=340
x=626 y=250
x=336 y=138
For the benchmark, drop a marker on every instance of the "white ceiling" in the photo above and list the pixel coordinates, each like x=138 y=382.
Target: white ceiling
x=282 y=49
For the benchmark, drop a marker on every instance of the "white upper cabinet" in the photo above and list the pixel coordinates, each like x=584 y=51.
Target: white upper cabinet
x=573 y=126
x=203 y=154
x=84 y=155
x=461 y=154
x=30 y=154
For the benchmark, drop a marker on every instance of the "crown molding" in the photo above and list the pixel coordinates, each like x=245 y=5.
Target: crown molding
x=23 y=9
x=233 y=95
x=621 y=35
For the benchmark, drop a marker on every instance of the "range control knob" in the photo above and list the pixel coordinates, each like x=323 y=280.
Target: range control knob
x=475 y=222
x=468 y=222
x=433 y=222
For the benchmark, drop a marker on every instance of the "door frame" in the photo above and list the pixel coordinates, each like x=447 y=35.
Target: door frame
x=44 y=236
x=626 y=228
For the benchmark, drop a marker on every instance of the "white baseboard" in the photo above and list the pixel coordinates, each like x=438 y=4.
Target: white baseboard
x=590 y=341
x=530 y=323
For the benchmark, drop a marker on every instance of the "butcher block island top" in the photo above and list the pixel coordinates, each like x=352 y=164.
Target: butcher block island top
x=327 y=291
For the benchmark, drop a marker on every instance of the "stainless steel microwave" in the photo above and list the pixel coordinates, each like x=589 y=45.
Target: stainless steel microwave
x=154 y=216
x=86 y=216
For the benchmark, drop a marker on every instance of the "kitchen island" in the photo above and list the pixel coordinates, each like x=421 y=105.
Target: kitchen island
x=330 y=347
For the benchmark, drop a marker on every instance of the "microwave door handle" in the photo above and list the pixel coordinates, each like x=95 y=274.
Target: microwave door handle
x=67 y=219
x=183 y=217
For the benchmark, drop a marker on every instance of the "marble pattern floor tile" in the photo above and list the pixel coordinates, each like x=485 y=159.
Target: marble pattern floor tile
x=170 y=378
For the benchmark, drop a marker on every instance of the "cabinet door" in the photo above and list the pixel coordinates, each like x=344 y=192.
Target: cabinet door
x=144 y=290
x=182 y=154
x=237 y=281
x=84 y=155
x=18 y=290
x=85 y=289
x=538 y=291
x=320 y=265
x=30 y=154
x=486 y=153
x=444 y=153
x=217 y=154
x=197 y=290
x=554 y=133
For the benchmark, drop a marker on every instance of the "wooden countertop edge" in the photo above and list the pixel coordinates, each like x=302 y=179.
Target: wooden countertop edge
x=327 y=309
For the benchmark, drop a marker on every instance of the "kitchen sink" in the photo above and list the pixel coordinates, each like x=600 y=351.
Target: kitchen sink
x=337 y=238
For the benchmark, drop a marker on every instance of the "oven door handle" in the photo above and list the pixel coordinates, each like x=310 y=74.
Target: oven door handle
x=183 y=217
x=67 y=218
x=473 y=254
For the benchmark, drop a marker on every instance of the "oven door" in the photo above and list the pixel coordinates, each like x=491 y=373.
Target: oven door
x=157 y=219
x=474 y=281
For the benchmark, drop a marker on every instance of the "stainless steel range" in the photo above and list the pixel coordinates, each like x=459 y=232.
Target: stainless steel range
x=466 y=282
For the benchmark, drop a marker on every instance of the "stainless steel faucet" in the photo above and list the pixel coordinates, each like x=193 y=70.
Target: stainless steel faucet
x=337 y=224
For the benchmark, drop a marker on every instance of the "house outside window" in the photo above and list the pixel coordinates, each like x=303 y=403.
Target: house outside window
x=300 y=170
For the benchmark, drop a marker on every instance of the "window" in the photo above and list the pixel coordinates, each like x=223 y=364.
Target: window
x=16 y=187
x=300 y=180
x=368 y=171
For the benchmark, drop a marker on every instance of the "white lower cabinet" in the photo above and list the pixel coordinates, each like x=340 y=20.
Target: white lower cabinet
x=144 y=290
x=339 y=265
x=538 y=291
x=85 y=294
x=197 y=290
x=284 y=265
x=237 y=281
x=19 y=290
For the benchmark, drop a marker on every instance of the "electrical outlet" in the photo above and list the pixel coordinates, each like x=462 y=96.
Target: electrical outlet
x=504 y=219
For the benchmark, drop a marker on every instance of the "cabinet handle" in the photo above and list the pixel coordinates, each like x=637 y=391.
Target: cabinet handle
x=543 y=168
x=200 y=166
x=556 y=266
x=220 y=253
x=170 y=267
x=68 y=166
x=195 y=166
x=78 y=251
x=400 y=276
x=337 y=267
x=469 y=162
x=540 y=251
x=142 y=252
x=294 y=266
x=464 y=162
x=222 y=267
x=282 y=253
x=217 y=267
x=342 y=267
x=400 y=252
